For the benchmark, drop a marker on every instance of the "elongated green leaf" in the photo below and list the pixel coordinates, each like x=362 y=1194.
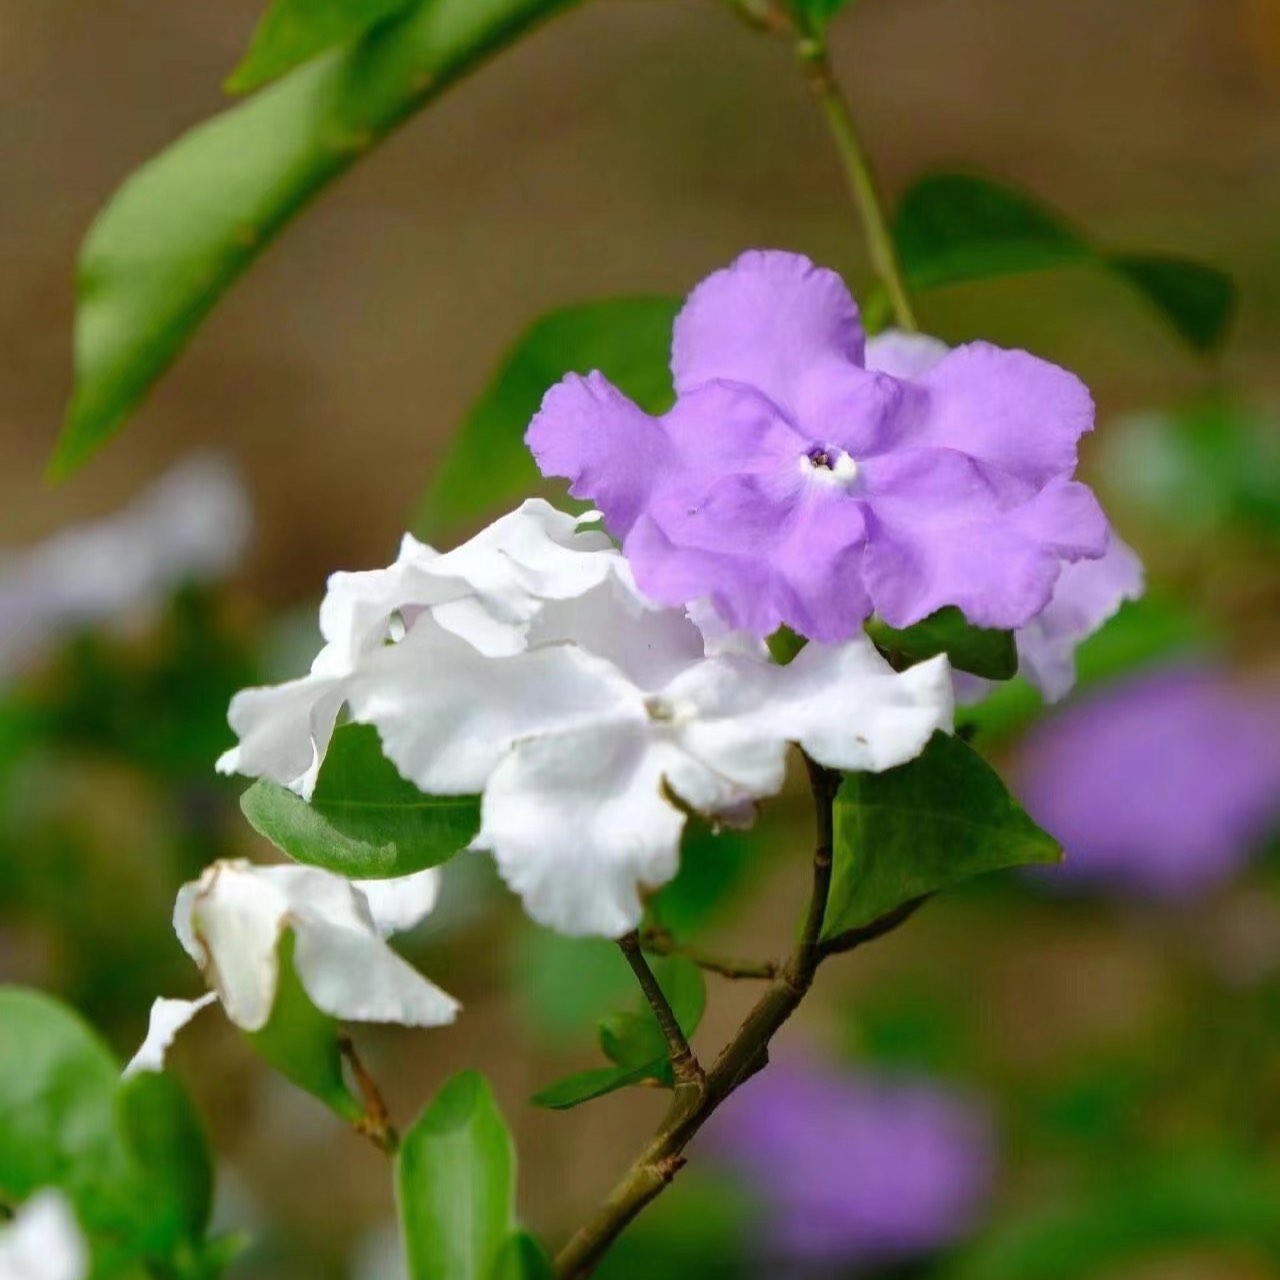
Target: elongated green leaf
x=953 y=227
x=583 y=1086
x=987 y=653
x=916 y=829
x=487 y=465
x=522 y=1257
x=295 y=31
x=455 y=1184
x=182 y=229
x=302 y=1043
x=363 y=820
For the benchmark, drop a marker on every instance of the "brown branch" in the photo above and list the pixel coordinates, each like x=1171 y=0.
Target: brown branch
x=375 y=1124
x=660 y=942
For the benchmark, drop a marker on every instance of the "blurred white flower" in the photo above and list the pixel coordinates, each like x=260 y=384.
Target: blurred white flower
x=43 y=1241
x=487 y=591
x=231 y=920
x=191 y=525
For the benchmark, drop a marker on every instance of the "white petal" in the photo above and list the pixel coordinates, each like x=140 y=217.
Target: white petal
x=902 y=354
x=238 y=913
x=400 y=903
x=44 y=1241
x=168 y=1017
x=578 y=824
x=842 y=703
x=446 y=714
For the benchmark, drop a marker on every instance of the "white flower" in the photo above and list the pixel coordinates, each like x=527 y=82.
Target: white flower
x=581 y=730
x=231 y=920
x=191 y=525
x=43 y=1242
x=579 y=742
x=487 y=591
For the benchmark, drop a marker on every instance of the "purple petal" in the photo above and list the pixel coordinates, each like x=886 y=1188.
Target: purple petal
x=770 y=320
x=904 y=355
x=1007 y=408
x=584 y=429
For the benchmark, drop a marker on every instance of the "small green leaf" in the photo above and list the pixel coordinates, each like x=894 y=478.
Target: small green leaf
x=165 y=1138
x=913 y=830
x=292 y=32
x=184 y=227
x=818 y=13
x=984 y=652
x=586 y=1085
x=455 y=1184
x=953 y=227
x=302 y=1043
x=363 y=820
x=522 y=1257
x=487 y=465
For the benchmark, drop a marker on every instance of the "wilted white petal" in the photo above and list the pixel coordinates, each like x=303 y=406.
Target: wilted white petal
x=401 y=902
x=44 y=1241
x=237 y=914
x=446 y=714
x=168 y=1017
x=578 y=823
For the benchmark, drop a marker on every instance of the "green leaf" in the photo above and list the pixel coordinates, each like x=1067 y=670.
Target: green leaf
x=302 y=1043
x=183 y=228
x=130 y=1155
x=913 y=830
x=292 y=32
x=522 y=1257
x=715 y=866
x=818 y=13
x=363 y=820
x=583 y=1086
x=455 y=1184
x=163 y=1133
x=487 y=465
x=984 y=652
x=954 y=227
x=633 y=1040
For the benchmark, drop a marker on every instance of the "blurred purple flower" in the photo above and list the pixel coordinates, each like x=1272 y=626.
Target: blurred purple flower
x=856 y=1170
x=1161 y=786
x=807 y=477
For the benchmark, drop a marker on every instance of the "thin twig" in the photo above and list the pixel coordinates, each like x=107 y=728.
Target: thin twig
x=686 y=1067
x=877 y=928
x=660 y=942
x=375 y=1124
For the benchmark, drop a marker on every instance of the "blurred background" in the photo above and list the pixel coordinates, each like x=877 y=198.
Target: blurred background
x=1063 y=1075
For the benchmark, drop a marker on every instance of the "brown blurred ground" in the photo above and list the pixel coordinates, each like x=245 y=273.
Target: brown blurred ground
x=632 y=146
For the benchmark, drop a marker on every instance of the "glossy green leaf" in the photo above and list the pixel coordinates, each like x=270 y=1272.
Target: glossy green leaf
x=921 y=827
x=583 y=1086
x=455 y=1184
x=363 y=820
x=292 y=32
x=183 y=228
x=487 y=466
x=522 y=1257
x=984 y=652
x=163 y=1134
x=953 y=227
x=302 y=1043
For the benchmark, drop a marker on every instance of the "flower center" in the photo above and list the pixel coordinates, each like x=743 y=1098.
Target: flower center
x=830 y=464
x=659 y=709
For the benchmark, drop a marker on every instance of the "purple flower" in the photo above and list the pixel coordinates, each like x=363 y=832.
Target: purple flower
x=1161 y=786
x=855 y=1169
x=809 y=478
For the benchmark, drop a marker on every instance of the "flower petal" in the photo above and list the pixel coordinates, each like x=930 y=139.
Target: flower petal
x=402 y=902
x=1006 y=408
x=168 y=1017
x=578 y=824
x=771 y=320
x=43 y=1240
x=902 y=354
